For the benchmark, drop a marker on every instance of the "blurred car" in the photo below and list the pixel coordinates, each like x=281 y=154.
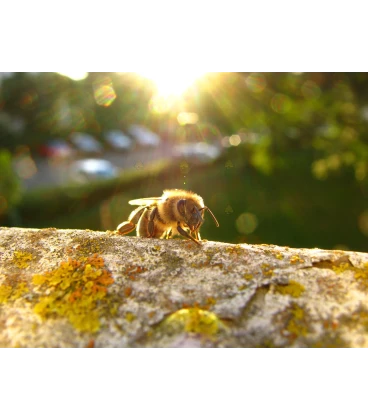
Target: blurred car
x=57 y=148
x=118 y=140
x=86 y=170
x=201 y=151
x=143 y=136
x=86 y=143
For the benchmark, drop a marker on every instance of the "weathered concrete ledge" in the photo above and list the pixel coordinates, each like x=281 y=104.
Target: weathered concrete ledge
x=73 y=288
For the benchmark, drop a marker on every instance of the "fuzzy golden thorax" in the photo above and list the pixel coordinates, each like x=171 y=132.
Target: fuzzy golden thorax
x=168 y=206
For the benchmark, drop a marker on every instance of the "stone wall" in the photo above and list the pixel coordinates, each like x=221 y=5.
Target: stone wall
x=74 y=288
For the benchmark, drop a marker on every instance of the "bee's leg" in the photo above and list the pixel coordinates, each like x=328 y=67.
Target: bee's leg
x=166 y=234
x=128 y=226
x=197 y=235
x=186 y=234
x=151 y=225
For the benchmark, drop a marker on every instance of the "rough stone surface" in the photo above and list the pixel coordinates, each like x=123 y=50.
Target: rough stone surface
x=73 y=288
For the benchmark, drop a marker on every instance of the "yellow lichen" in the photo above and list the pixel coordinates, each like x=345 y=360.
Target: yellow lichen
x=293 y=289
x=194 y=320
x=338 y=269
x=130 y=317
x=296 y=259
x=237 y=250
x=210 y=301
x=5 y=293
x=20 y=259
x=74 y=290
x=279 y=256
x=266 y=270
x=248 y=276
x=9 y=292
x=297 y=325
x=360 y=273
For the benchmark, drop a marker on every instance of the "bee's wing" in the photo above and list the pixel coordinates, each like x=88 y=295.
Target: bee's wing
x=144 y=201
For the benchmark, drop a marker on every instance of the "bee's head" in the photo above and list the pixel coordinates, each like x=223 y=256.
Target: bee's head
x=192 y=215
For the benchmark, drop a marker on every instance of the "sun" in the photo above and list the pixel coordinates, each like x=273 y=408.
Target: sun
x=171 y=83
x=75 y=75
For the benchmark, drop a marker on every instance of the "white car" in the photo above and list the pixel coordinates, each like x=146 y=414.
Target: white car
x=85 y=170
x=86 y=143
x=143 y=136
x=118 y=140
x=201 y=151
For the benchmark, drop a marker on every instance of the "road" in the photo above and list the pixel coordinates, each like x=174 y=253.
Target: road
x=56 y=172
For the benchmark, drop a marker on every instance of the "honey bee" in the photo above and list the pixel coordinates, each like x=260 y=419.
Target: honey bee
x=175 y=212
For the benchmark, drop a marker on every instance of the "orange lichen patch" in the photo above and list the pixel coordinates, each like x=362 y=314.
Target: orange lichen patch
x=74 y=290
x=330 y=325
x=210 y=301
x=21 y=259
x=96 y=261
x=91 y=344
x=293 y=289
x=128 y=291
x=132 y=270
x=296 y=259
x=9 y=292
x=194 y=320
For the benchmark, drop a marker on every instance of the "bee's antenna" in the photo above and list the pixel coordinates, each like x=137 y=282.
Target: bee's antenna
x=213 y=216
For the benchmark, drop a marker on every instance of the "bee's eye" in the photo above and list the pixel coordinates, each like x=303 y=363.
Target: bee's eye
x=181 y=207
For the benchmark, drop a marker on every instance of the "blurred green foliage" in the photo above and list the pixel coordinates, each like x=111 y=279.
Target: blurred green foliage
x=10 y=188
x=294 y=169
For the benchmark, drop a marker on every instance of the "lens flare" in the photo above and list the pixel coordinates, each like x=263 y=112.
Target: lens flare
x=104 y=92
x=280 y=103
x=256 y=82
x=187 y=118
x=246 y=223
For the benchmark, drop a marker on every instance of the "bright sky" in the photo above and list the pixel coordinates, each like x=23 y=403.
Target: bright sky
x=167 y=82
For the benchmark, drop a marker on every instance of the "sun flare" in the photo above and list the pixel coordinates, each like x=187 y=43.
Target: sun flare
x=75 y=75
x=172 y=83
